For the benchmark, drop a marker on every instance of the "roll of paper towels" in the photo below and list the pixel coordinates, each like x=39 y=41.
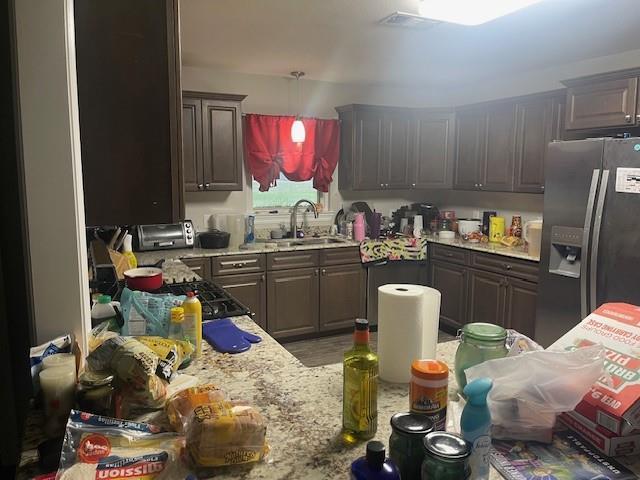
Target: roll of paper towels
x=408 y=319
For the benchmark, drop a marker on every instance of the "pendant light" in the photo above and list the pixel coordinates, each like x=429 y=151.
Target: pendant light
x=298 y=133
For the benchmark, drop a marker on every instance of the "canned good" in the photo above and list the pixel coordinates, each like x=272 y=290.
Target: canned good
x=405 y=443
x=428 y=390
x=479 y=342
x=446 y=457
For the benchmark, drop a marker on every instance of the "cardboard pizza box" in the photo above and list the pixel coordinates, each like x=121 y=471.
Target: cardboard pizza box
x=608 y=443
x=613 y=402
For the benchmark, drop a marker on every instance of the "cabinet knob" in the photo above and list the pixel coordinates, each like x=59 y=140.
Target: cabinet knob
x=324 y=271
x=200 y=186
x=627 y=118
x=542 y=187
x=479 y=185
x=476 y=185
x=638 y=118
x=506 y=266
x=413 y=185
x=262 y=278
x=206 y=185
x=382 y=185
x=315 y=272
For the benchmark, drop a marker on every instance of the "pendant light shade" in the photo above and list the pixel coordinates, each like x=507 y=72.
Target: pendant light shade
x=298 y=133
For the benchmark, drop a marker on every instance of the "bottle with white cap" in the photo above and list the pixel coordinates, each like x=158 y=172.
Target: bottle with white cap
x=128 y=252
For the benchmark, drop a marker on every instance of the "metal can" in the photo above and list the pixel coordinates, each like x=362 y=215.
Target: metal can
x=428 y=390
x=446 y=457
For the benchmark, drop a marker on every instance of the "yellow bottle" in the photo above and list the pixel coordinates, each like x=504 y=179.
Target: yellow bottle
x=192 y=324
x=360 y=388
x=128 y=252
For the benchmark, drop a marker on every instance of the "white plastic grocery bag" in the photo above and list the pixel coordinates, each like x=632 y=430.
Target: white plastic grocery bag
x=530 y=389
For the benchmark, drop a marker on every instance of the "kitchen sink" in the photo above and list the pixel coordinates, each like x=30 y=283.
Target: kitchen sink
x=290 y=242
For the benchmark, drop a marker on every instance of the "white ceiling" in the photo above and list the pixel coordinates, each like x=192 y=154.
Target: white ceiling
x=341 y=41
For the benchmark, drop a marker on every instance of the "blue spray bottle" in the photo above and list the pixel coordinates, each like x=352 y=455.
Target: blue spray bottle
x=475 y=424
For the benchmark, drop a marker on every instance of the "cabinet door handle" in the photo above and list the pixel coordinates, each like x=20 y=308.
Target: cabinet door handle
x=627 y=118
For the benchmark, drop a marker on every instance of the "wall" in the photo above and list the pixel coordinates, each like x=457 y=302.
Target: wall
x=53 y=174
x=277 y=96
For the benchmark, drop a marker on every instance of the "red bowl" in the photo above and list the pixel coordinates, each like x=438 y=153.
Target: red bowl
x=146 y=279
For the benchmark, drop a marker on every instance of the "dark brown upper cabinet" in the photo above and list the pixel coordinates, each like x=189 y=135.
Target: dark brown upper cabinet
x=496 y=161
x=394 y=148
x=538 y=122
x=212 y=141
x=128 y=72
x=603 y=101
x=434 y=149
x=397 y=146
x=470 y=145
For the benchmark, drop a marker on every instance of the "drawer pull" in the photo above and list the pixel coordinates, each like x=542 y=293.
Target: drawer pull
x=449 y=254
x=239 y=265
x=195 y=269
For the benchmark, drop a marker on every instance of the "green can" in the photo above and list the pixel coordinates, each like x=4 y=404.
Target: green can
x=479 y=342
x=446 y=457
x=405 y=444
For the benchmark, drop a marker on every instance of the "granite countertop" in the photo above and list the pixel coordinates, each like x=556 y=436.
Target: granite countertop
x=302 y=407
x=148 y=258
x=496 y=248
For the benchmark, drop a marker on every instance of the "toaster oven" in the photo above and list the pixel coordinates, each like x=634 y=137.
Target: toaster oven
x=166 y=236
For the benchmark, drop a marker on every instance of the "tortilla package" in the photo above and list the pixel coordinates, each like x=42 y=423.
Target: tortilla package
x=97 y=447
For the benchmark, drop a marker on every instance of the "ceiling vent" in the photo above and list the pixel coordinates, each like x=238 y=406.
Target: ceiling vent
x=408 y=20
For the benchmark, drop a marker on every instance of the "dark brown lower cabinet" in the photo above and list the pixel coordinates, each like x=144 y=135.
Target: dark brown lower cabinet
x=520 y=306
x=249 y=289
x=343 y=295
x=451 y=280
x=292 y=302
x=200 y=266
x=487 y=296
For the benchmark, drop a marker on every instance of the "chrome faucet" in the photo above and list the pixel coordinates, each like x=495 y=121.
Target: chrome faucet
x=294 y=215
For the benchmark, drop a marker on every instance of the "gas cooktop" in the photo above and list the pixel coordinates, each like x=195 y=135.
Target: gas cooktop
x=216 y=302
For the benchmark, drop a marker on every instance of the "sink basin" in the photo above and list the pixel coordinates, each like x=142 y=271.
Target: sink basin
x=290 y=242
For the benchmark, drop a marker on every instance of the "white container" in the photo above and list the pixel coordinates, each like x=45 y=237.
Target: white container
x=60 y=360
x=467 y=226
x=408 y=320
x=417 y=226
x=58 y=385
x=532 y=233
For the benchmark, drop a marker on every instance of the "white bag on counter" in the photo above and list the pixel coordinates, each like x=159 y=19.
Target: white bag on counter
x=531 y=389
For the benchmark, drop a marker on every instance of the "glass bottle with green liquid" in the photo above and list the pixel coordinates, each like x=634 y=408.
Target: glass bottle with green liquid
x=360 y=388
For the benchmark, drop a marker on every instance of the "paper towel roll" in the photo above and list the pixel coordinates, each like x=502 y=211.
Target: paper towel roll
x=408 y=319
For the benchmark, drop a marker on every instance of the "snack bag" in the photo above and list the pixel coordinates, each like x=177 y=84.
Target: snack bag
x=171 y=354
x=225 y=433
x=181 y=405
x=102 y=447
x=130 y=360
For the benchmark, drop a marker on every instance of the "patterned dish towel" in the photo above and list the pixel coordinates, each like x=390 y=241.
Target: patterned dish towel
x=402 y=248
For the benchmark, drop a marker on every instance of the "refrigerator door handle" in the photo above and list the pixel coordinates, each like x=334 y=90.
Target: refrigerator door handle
x=597 y=223
x=584 y=307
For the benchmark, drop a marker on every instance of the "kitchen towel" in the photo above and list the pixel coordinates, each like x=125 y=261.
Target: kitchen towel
x=226 y=337
x=408 y=319
x=402 y=248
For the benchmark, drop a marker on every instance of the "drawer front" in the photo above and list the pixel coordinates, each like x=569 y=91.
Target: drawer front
x=284 y=260
x=507 y=266
x=200 y=266
x=449 y=254
x=232 y=264
x=340 y=256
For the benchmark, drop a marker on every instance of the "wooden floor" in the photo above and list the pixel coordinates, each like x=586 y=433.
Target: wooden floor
x=328 y=350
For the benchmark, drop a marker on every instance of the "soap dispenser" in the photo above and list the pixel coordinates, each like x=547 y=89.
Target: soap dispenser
x=475 y=424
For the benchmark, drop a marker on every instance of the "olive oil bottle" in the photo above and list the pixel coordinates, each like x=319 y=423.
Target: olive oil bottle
x=360 y=388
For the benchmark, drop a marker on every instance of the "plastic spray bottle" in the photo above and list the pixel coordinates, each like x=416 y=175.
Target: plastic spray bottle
x=475 y=424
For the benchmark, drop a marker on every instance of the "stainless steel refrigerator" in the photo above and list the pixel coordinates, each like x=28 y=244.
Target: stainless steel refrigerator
x=591 y=232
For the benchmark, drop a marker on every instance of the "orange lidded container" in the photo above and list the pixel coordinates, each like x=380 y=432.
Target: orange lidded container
x=428 y=390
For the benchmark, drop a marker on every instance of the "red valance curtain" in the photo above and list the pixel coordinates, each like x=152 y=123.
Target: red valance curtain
x=270 y=151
